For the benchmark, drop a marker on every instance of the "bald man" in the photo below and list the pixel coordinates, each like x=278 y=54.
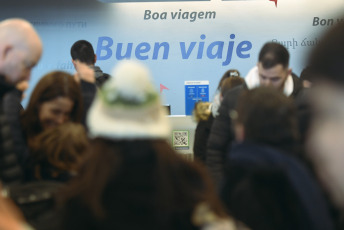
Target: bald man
x=20 y=50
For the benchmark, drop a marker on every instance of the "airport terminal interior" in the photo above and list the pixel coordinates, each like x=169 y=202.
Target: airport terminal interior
x=172 y=114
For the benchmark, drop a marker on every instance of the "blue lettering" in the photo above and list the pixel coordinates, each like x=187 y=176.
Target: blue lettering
x=104 y=47
x=157 y=47
x=186 y=54
x=141 y=48
x=127 y=54
x=219 y=50
x=243 y=47
x=201 y=47
x=160 y=50
x=229 y=51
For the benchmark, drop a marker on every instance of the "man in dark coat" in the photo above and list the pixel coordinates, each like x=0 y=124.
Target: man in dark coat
x=272 y=70
x=83 y=51
x=20 y=50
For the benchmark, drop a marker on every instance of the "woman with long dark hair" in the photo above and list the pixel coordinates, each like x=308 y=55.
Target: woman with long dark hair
x=133 y=179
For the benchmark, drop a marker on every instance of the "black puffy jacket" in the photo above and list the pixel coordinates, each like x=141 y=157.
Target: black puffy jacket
x=221 y=134
x=10 y=170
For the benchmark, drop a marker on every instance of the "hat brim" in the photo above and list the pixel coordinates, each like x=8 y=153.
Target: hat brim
x=101 y=124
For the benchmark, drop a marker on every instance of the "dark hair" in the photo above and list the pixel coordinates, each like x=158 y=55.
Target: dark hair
x=268 y=117
x=327 y=57
x=307 y=74
x=272 y=54
x=141 y=180
x=268 y=192
x=227 y=74
x=58 y=150
x=51 y=86
x=230 y=83
x=83 y=51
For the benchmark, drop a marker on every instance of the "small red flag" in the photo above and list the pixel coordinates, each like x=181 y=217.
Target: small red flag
x=162 y=87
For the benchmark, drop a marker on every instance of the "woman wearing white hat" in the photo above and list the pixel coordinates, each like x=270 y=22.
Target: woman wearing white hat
x=133 y=179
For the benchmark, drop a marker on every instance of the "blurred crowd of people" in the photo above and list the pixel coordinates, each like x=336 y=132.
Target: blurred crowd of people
x=90 y=150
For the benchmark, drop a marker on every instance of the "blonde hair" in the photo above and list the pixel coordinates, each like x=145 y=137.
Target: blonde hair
x=201 y=111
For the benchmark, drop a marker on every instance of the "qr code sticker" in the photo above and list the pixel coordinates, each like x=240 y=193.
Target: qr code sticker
x=180 y=138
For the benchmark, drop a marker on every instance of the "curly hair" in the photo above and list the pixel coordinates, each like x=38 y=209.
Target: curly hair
x=58 y=150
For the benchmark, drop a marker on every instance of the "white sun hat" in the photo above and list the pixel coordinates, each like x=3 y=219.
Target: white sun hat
x=128 y=106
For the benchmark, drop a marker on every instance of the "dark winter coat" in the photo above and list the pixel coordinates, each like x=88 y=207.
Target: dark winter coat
x=269 y=189
x=10 y=170
x=221 y=134
x=101 y=77
x=205 y=120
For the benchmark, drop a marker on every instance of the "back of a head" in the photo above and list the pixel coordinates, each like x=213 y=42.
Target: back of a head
x=156 y=187
x=20 y=48
x=307 y=74
x=230 y=83
x=83 y=51
x=268 y=192
x=228 y=74
x=17 y=30
x=272 y=54
x=328 y=56
x=201 y=111
x=324 y=142
x=61 y=148
x=268 y=117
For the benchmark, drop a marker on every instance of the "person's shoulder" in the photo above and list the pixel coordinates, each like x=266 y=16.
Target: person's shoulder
x=298 y=86
x=102 y=79
x=296 y=78
x=106 y=75
x=253 y=151
x=303 y=94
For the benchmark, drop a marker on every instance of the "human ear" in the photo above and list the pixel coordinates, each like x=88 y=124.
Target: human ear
x=289 y=71
x=5 y=51
x=73 y=61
